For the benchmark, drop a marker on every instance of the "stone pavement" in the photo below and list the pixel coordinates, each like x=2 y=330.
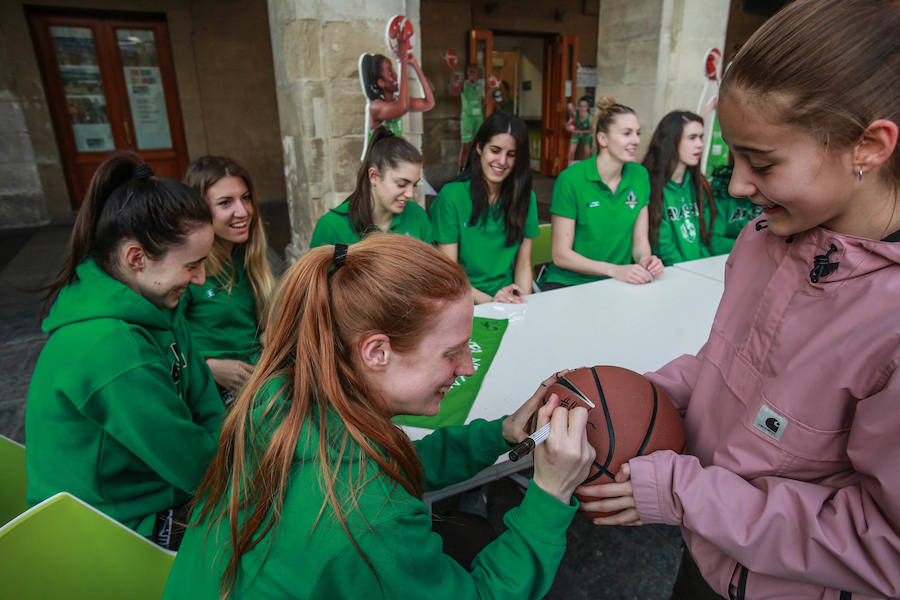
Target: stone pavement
x=614 y=563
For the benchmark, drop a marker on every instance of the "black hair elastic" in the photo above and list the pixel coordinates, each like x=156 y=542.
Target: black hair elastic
x=340 y=256
x=143 y=172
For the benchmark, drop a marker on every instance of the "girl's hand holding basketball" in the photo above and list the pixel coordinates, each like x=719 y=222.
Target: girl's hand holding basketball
x=517 y=426
x=617 y=498
x=563 y=461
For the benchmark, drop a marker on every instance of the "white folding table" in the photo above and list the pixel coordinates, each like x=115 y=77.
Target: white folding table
x=639 y=327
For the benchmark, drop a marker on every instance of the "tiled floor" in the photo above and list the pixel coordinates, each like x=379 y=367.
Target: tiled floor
x=615 y=563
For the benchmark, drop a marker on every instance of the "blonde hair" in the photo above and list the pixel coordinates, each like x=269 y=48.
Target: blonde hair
x=202 y=174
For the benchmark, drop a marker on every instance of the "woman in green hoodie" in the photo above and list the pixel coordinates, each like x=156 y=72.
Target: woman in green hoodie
x=315 y=493
x=121 y=410
x=227 y=311
x=681 y=207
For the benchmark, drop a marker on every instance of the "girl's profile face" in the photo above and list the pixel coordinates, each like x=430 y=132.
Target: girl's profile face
x=387 y=79
x=784 y=169
x=162 y=281
x=392 y=189
x=415 y=382
x=497 y=157
x=623 y=138
x=690 y=147
x=232 y=209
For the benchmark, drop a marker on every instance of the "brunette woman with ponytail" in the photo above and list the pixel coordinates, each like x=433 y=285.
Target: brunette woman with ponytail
x=227 y=311
x=382 y=200
x=681 y=208
x=122 y=412
x=315 y=493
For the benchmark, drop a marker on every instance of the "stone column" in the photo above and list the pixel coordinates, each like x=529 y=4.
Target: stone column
x=650 y=53
x=316 y=46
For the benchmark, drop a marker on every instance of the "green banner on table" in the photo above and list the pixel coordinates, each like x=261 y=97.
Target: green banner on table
x=486 y=337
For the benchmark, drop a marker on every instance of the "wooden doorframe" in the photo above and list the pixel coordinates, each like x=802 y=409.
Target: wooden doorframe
x=78 y=167
x=560 y=59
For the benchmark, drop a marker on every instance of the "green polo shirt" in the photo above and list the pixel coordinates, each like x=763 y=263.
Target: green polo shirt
x=679 y=228
x=223 y=322
x=483 y=253
x=334 y=227
x=604 y=221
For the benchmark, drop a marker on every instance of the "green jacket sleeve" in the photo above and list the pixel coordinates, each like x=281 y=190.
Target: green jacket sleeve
x=409 y=560
x=667 y=246
x=322 y=233
x=175 y=438
x=458 y=452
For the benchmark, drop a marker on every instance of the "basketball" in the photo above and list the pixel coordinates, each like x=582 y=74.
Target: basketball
x=628 y=416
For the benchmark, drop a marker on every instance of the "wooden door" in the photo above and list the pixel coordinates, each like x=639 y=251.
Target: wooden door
x=481 y=49
x=110 y=84
x=560 y=77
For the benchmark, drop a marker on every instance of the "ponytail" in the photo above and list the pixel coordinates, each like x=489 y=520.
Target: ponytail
x=125 y=200
x=324 y=307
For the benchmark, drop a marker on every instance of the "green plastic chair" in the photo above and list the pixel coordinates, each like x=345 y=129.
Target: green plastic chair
x=65 y=548
x=12 y=474
x=540 y=251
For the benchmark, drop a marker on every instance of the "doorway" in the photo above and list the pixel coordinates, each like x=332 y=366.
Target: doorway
x=110 y=85
x=534 y=77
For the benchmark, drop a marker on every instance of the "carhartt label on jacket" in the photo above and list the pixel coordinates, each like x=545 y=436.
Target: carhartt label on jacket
x=770 y=422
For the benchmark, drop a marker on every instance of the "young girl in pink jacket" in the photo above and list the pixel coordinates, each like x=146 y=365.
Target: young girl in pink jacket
x=791 y=484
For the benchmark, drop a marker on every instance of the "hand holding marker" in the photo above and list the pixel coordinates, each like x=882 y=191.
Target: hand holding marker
x=540 y=436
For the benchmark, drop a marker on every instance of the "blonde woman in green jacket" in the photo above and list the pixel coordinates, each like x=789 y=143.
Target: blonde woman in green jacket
x=122 y=412
x=314 y=493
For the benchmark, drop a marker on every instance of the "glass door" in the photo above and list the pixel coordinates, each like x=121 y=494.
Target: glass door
x=110 y=84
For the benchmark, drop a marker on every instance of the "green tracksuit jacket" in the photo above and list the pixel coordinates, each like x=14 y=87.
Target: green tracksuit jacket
x=679 y=230
x=299 y=559
x=732 y=214
x=121 y=411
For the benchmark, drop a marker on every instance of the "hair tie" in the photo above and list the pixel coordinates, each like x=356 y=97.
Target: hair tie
x=143 y=172
x=340 y=256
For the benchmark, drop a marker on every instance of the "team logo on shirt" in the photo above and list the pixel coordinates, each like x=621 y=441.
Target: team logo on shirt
x=745 y=214
x=631 y=200
x=593 y=204
x=688 y=231
x=179 y=362
x=210 y=293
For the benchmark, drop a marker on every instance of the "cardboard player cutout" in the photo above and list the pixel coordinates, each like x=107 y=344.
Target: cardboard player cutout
x=386 y=89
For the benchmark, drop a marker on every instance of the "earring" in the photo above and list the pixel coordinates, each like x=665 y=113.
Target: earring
x=859 y=174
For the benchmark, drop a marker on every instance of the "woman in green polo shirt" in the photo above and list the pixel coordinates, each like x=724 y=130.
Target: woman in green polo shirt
x=486 y=219
x=681 y=207
x=226 y=313
x=599 y=209
x=382 y=200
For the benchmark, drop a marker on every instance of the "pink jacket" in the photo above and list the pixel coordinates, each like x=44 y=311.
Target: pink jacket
x=792 y=412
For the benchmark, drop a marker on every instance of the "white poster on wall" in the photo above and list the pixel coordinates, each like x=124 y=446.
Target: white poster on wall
x=148 y=107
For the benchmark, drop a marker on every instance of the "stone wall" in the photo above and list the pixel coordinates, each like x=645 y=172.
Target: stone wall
x=650 y=54
x=316 y=47
x=223 y=70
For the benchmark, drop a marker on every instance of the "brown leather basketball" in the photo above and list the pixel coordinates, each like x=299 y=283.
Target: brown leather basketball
x=628 y=416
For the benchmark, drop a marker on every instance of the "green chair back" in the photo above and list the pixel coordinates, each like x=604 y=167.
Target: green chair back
x=540 y=250
x=12 y=474
x=64 y=548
